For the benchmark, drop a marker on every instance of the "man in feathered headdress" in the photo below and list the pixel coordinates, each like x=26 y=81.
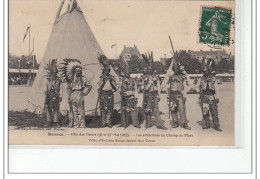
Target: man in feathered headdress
x=208 y=100
x=106 y=92
x=53 y=94
x=176 y=99
x=129 y=99
x=151 y=91
x=78 y=87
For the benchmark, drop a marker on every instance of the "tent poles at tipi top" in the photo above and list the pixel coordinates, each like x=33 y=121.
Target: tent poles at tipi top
x=59 y=10
x=71 y=6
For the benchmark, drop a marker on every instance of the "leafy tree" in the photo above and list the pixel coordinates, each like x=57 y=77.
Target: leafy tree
x=223 y=66
x=135 y=64
x=191 y=65
x=158 y=67
x=232 y=64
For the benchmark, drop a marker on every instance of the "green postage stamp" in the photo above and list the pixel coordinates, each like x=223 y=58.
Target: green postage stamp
x=215 y=26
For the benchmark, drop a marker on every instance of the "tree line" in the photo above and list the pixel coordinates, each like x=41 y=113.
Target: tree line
x=137 y=65
x=191 y=65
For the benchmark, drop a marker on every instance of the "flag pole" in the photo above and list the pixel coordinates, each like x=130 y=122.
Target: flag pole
x=29 y=49
x=19 y=61
x=33 y=58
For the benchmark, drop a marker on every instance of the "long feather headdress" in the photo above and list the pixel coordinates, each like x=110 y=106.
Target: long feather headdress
x=68 y=69
x=103 y=60
x=148 y=59
x=51 y=69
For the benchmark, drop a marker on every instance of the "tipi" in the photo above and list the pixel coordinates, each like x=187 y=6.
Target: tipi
x=71 y=37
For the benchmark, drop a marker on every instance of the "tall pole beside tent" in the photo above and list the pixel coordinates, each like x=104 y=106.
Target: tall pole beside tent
x=28 y=30
x=172 y=52
x=33 y=58
x=19 y=67
x=29 y=50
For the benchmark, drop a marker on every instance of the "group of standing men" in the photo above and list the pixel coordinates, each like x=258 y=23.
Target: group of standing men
x=78 y=87
x=207 y=100
x=129 y=99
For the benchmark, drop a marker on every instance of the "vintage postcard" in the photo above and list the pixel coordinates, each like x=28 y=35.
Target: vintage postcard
x=121 y=73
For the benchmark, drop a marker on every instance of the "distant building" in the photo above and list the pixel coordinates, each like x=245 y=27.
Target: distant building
x=129 y=52
x=215 y=55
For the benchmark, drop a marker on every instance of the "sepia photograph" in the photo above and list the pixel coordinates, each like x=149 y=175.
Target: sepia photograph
x=121 y=73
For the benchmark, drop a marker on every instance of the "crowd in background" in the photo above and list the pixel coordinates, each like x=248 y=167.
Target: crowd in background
x=19 y=79
x=19 y=63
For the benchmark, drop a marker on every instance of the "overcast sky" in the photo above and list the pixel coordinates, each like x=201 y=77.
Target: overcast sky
x=146 y=24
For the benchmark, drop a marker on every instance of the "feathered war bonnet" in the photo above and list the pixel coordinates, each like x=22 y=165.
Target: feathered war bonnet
x=208 y=65
x=176 y=67
x=125 y=67
x=149 y=61
x=69 y=68
x=104 y=63
x=51 y=69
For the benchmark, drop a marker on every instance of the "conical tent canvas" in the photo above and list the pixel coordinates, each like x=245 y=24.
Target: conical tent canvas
x=71 y=37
